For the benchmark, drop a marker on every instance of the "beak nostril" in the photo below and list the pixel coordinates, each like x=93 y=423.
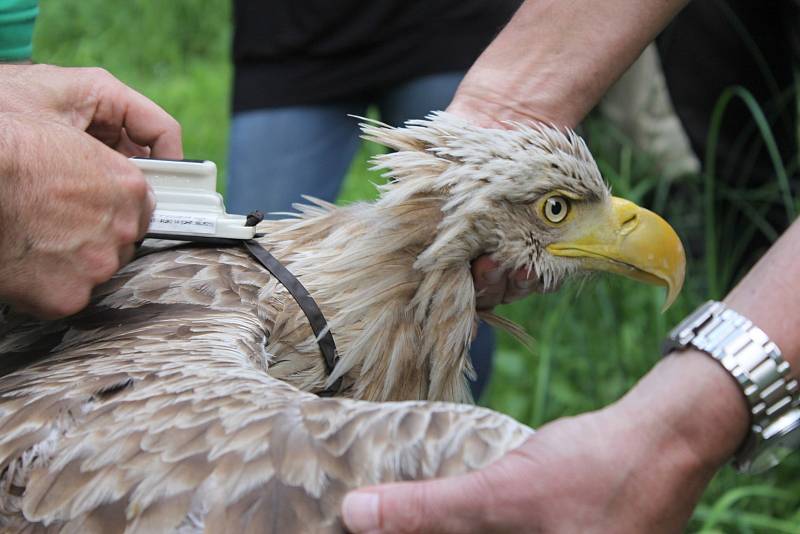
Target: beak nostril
x=629 y=224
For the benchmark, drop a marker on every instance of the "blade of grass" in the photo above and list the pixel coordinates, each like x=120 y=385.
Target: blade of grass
x=726 y=502
x=710 y=159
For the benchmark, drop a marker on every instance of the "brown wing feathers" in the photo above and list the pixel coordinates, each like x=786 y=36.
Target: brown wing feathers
x=151 y=411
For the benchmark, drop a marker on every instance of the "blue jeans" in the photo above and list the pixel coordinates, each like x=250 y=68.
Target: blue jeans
x=278 y=154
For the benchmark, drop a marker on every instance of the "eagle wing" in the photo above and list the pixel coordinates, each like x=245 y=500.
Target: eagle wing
x=151 y=411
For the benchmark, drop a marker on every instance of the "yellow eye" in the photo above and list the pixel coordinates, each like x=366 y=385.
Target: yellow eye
x=556 y=209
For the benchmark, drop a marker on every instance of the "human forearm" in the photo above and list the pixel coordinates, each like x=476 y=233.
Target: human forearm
x=693 y=411
x=698 y=399
x=556 y=58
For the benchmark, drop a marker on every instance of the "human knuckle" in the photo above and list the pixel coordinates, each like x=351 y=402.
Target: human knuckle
x=101 y=263
x=130 y=184
x=135 y=185
x=175 y=126
x=98 y=74
x=127 y=230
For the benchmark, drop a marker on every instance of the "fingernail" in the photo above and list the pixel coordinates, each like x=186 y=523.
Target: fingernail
x=360 y=511
x=493 y=276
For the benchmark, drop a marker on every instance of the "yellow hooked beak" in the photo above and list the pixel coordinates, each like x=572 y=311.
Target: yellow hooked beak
x=631 y=241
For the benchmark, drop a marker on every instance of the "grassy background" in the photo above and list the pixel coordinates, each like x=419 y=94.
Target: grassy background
x=593 y=341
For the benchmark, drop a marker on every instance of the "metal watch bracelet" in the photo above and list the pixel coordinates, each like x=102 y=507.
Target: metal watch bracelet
x=754 y=361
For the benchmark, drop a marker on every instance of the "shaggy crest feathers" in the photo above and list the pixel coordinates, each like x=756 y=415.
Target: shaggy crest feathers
x=482 y=172
x=446 y=153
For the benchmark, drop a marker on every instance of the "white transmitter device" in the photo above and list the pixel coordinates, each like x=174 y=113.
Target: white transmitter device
x=188 y=206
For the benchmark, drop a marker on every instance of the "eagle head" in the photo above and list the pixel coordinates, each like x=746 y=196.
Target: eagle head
x=531 y=196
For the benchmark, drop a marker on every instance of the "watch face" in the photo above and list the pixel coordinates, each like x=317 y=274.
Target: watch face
x=778 y=446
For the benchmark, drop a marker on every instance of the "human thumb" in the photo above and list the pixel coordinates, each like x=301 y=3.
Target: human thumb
x=447 y=504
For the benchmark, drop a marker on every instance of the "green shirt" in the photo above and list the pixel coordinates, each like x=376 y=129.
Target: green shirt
x=16 y=28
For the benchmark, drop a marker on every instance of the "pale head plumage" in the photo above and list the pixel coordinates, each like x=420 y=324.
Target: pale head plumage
x=492 y=182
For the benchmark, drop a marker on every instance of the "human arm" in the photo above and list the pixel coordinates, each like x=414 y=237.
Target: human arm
x=638 y=465
x=93 y=100
x=552 y=62
x=70 y=212
x=555 y=60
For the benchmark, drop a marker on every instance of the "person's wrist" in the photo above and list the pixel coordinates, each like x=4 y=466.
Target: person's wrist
x=492 y=109
x=693 y=409
x=489 y=110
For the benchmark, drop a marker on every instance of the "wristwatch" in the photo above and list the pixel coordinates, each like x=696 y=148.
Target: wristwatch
x=755 y=362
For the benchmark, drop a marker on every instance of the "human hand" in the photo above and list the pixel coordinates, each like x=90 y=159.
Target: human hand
x=71 y=210
x=91 y=99
x=495 y=286
x=639 y=465
x=574 y=475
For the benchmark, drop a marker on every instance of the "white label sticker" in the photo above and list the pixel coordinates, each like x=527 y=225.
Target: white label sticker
x=175 y=221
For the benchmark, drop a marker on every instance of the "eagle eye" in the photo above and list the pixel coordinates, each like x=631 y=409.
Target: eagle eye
x=556 y=209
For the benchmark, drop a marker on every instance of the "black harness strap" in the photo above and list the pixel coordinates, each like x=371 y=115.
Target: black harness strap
x=327 y=346
x=303 y=298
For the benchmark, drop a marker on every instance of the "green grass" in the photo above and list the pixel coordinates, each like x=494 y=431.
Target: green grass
x=593 y=339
